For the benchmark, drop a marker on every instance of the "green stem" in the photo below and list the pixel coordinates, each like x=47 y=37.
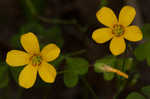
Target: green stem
x=31 y=7
x=121 y=83
x=56 y=21
x=89 y=87
x=77 y=52
x=62 y=72
x=44 y=19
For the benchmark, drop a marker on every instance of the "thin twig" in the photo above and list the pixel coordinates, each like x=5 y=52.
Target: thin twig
x=89 y=87
x=56 y=21
x=77 y=52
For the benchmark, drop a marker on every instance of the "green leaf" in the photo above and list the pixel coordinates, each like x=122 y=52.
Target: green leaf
x=77 y=65
x=70 y=79
x=148 y=60
x=135 y=95
x=146 y=91
x=146 y=31
x=128 y=64
x=108 y=75
x=109 y=60
x=140 y=48
x=4 y=81
x=142 y=51
x=97 y=67
x=4 y=78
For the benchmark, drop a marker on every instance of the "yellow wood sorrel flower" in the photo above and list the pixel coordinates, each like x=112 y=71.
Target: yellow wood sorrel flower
x=117 y=30
x=34 y=60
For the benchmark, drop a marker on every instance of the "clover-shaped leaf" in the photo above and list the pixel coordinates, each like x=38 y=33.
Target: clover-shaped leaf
x=76 y=66
x=70 y=79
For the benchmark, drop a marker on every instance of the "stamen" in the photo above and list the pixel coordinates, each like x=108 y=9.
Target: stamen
x=36 y=60
x=118 y=30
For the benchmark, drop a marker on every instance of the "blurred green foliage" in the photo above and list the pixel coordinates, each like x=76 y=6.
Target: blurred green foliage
x=144 y=94
x=4 y=77
x=77 y=64
x=135 y=95
x=146 y=31
x=146 y=91
x=142 y=50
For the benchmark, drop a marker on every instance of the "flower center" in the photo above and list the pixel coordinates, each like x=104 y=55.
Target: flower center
x=36 y=60
x=118 y=30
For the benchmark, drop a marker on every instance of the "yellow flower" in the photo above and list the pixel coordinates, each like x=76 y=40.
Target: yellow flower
x=34 y=60
x=117 y=30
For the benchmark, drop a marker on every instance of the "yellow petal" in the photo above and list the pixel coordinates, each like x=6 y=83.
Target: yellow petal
x=47 y=72
x=50 y=52
x=133 y=33
x=117 y=45
x=106 y=16
x=17 y=58
x=102 y=35
x=27 y=76
x=30 y=43
x=127 y=15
